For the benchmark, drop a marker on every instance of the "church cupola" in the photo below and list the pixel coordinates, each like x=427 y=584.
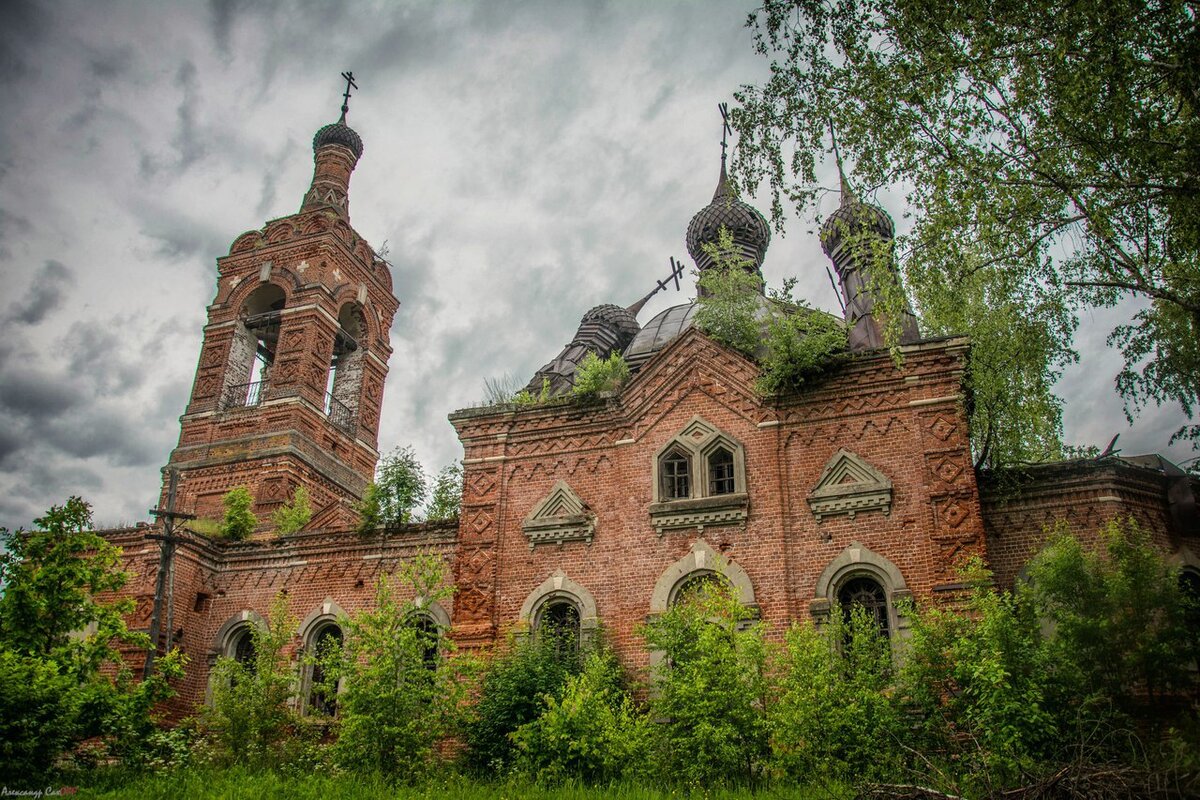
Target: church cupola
x=857 y=237
x=336 y=150
x=749 y=229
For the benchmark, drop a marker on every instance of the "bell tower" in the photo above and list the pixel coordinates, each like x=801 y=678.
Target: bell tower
x=290 y=379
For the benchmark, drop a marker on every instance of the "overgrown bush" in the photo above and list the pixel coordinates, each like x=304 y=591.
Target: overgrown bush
x=239 y=521
x=730 y=299
x=294 y=514
x=596 y=375
x=396 y=494
x=593 y=734
x=801 y=343
x=62 y=679
x=446 y=499
x=709 y=690
x=513 y=691
x=400 y=698
x=250 y=718
x=836 y=716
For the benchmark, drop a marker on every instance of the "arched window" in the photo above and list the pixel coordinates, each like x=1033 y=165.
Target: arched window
x=326 y=643
x=559 y=623
x=243 y=650
x=866 y=593
x=429 y=637
x=345 y=368
x=720 y=472
x=252 y=351
x=699 y=586
x=675 y=472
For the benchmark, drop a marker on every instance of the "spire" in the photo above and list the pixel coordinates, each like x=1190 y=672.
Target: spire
x=750 y=231
x=336 y=150
x=847 y=191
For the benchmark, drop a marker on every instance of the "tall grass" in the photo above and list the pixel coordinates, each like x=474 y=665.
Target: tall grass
x=243 y=784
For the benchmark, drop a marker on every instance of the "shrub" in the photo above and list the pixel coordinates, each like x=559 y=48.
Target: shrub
x=239 y=521
x=513 y=691
x=730 y=298
x=596 y=375
x=397 y=704
x=446 y=500
x=836 y=716
x=592 y=734
x=528 y=398
x=250 y=717
x=294 y=515
x=709 y=690
x=1121 y=633
x=398 y=490
x=62 y=679
x=982 y=680
x=801 y=344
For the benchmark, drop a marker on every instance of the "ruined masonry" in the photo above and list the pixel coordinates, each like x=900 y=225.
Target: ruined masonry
x=858 y=490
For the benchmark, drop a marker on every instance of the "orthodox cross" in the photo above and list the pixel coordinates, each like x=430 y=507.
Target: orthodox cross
x=166 y=555
x=725 y=129
x=349 y=77
x=676 y=271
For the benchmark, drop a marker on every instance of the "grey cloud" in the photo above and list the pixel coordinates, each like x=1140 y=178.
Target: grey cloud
x=111 y=63
x=31 y=393
x=98 y=351
x=188 y=141
x=45 y=294
x=9 y=222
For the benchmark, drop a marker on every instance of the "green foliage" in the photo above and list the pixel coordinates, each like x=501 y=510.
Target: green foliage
x=801 y=343
x=709 y=690
x=1120 y=622
x=527 y=398
x=446 y=500
x=239 y=521
x=593 y=734
x=396 y=705
x=61 y=677
x=250 y=718
x=983 y=681
x=294 y=515
x=596 y=375
x=836 y=715
x=730 y=297
x=1019 y=345
x=1050 y=147
x=513 y=691
x=396 y=494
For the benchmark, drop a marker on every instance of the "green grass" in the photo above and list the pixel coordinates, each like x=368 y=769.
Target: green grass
x=241 y=784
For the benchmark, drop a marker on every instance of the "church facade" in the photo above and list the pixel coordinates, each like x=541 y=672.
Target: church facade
x=859 y=489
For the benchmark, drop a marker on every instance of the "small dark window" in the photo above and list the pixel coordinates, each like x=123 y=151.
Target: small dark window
x=327 y=642
x=865 y=593
x=699 y=587
x=676 y=476
x=720 y=472
x=560 y=622
x=428 y=637
x=243 y=650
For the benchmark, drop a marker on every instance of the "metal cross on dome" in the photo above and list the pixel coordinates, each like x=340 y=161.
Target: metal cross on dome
x=349 y=77
x=725 y=129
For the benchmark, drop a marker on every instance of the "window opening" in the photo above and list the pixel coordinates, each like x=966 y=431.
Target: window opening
x=676 y=476
x=560 y=624
x=720 y=472
x=428 y=639
x=865 y=593
x=327 y=641
x=244 y=651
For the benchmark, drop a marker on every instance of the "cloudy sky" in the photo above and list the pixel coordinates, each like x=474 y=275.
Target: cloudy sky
x=524 y=161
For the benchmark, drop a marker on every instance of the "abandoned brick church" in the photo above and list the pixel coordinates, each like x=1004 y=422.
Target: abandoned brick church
x=859 y=489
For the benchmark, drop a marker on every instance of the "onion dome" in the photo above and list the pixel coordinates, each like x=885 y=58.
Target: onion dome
x=854 y=216
x=341 y=134
x=750 y=231
x=604 y=330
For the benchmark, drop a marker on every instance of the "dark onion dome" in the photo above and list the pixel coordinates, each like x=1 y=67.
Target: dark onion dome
x=750 y=231
x=853 y=216
x=603 y=330
x=339 y=133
